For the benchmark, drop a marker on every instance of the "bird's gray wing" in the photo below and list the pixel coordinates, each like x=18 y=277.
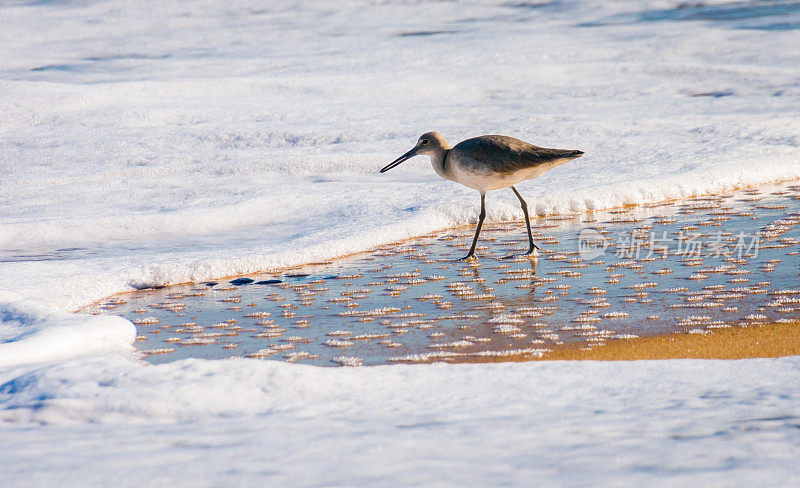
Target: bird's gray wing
x=503 y=154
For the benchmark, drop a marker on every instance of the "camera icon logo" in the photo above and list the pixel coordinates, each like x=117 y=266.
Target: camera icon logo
x=591 y=244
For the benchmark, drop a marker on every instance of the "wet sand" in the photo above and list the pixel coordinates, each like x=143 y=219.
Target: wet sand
x=756 y=341
x=670 y=276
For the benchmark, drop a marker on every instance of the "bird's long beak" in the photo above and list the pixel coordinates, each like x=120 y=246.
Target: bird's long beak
x=410 y=154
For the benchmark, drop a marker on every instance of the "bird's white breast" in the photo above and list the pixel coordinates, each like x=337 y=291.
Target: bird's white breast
x=487 y=180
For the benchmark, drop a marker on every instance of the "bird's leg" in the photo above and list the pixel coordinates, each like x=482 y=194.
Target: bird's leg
x=527 y=221
x=478 y=230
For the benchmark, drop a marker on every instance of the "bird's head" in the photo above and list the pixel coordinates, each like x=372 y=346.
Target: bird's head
x=429 y=143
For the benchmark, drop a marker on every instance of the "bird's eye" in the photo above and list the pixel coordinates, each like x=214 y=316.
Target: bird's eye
x=424 y=141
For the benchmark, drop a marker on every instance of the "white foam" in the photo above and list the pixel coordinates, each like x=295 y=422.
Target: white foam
x=270 y=422
x=30 y=333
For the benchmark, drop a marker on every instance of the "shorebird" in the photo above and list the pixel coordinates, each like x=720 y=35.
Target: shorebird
x=488 y=163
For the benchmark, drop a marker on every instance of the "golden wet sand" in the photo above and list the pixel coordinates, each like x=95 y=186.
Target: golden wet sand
x=755 y=341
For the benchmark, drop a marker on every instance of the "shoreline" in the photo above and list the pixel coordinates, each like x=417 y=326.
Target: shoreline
x=533 y=218
x=414 y=303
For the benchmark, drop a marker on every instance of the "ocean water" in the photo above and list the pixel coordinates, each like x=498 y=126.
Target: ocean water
x=760 y=15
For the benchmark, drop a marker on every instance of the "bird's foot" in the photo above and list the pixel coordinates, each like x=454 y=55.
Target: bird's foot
x=531 y=254
x=533 y=250
x=468 y=257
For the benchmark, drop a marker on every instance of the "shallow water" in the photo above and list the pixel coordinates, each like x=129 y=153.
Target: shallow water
x=690 y=266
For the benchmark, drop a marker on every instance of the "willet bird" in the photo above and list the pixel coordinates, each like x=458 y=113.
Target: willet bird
x=488 y=163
